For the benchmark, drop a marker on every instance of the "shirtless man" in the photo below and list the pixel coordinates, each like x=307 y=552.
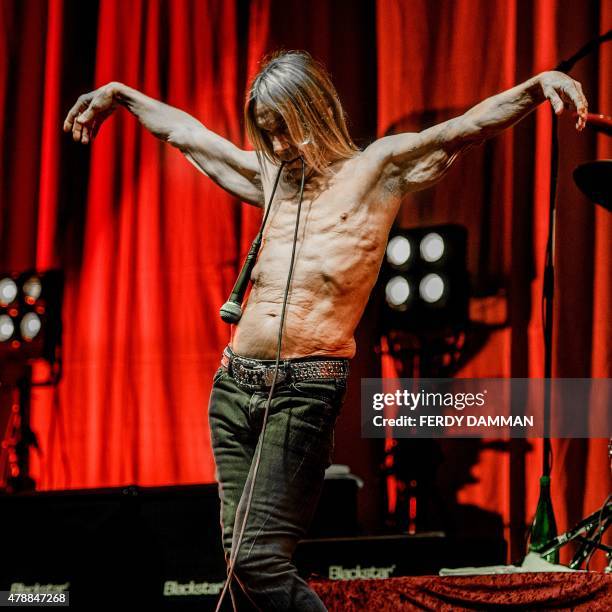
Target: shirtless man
x=350 y=201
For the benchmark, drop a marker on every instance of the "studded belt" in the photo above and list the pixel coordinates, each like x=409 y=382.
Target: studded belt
x=260 y=372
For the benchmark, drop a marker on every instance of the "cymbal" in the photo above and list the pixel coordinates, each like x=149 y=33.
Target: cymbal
x=594 y=179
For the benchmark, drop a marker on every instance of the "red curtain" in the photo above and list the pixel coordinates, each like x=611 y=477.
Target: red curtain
x=456 y=54
x=159 y=249
x=150 y=248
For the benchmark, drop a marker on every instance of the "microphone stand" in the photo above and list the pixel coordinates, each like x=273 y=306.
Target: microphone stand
x=594 y=526
x=548 y=288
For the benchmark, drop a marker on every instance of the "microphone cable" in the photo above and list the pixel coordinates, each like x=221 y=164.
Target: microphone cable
x=231 y=311
x=234 y=553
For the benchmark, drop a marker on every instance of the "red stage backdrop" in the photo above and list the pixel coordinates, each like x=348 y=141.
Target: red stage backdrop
x=456 y=54
x=150 y=247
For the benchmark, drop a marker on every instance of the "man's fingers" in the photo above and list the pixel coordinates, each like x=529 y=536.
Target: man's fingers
x=72 y=113
x=82 y=126
x=555 y=100
x=85 y=135
x=86 y=116
x=77 y=130
x=577 y=99
x=564 y=91
x=579 y=102
x=80 y=105
x=580 y=92
x=70 y=117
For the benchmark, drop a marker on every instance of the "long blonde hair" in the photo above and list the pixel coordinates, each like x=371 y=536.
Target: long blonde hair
x=299 y=89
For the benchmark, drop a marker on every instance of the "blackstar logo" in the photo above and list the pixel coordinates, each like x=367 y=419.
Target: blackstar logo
x=337 y=572
x=37 y=587
x=173 y=588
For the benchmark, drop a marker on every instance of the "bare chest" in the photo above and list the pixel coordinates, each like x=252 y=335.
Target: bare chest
x=341 y=234
x=330 y=217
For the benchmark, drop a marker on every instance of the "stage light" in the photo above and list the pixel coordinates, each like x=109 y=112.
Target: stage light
x=8 y=291
x=423 y=283
x=431 y=288
x=32 y=288
x=30 y=331
x=398 y=251
x=7 y=328
x=397 y=292
x=30 y=326
x=30 y=311
x=432 y=247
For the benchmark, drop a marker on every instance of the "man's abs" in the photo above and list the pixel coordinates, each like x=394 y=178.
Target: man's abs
x=306 y=334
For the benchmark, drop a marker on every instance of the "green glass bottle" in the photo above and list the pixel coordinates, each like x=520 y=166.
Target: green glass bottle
x=544 y=527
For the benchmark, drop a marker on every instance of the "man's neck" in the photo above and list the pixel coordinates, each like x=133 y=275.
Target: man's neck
x=293 y=176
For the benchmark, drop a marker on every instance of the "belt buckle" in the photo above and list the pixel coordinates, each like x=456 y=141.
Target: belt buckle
x=269 y=376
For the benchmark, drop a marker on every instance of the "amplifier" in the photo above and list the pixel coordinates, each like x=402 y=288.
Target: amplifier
x=160 y=548
x=387 y=556
x=114 y=546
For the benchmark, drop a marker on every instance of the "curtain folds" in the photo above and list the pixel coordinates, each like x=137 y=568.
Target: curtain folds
x=450 y=61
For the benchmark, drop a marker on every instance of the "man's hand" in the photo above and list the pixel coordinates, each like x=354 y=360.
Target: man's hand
x=87 y=115
x=562 y=90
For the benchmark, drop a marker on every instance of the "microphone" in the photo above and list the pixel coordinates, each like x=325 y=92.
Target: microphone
x=231 y=311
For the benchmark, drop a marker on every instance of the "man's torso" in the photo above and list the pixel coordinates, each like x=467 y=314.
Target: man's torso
x=344 y=224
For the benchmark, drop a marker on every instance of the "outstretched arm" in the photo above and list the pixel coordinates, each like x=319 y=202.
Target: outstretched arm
x=235 y=170
x=409 y=162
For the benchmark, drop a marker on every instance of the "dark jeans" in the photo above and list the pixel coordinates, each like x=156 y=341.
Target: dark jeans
x=297 y=448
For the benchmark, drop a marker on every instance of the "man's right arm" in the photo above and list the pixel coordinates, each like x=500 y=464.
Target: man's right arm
x=235 y=170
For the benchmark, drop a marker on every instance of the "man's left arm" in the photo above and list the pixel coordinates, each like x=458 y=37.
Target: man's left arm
x=409 y=162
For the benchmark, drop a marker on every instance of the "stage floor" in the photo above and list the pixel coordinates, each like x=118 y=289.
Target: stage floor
x=580 y=591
